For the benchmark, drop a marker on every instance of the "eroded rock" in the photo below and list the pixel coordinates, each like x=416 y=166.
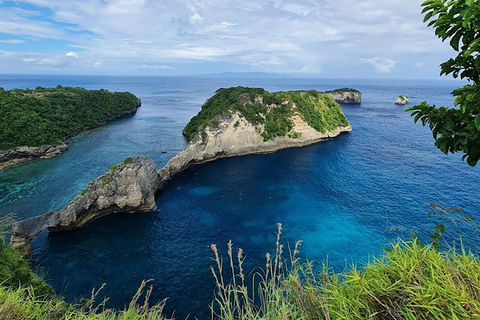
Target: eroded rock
x=128 y=187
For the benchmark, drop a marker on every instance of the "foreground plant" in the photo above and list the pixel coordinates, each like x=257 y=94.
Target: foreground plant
x=456 y=129
x=411 y=281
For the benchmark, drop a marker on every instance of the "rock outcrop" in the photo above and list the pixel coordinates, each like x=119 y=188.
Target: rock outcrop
x=14 y=155
x=128 y=187
x=235 y=136
x=345 y=96
x=402 y=100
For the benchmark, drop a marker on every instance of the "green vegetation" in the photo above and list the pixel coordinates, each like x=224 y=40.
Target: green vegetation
x=21 y=304
x=272 y=110
x=47 y=116
x=411 y=281
x=127 y=160
x=15 y=272
x=342 y=90
x=114 y=167
x=456 y=129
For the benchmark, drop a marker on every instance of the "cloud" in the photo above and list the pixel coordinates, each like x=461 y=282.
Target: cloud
x=228 y=24
x=147 y=66
x=381 y=65
x=71 y=54
x=97 y=64
x=221 y=35
x=12 y=41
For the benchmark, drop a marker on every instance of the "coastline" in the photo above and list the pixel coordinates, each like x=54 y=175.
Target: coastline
x=23 y=153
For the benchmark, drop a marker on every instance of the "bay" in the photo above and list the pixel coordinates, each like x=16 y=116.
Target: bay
x=341 y=197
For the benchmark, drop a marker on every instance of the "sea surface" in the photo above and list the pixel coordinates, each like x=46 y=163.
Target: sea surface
x=341 y=197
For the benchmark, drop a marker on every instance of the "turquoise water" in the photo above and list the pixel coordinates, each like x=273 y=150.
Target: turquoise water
x=340 y=197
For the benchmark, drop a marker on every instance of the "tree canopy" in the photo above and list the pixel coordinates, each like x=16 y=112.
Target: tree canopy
x=456 y=129
x=49 y=115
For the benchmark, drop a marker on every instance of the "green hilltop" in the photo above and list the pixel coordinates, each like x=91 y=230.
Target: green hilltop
x=273 y=110
x=48 y=116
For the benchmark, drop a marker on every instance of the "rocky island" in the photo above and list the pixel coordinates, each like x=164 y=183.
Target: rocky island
x=345 y=95
x=402 y=100
x=234 y=122
x=38 y=123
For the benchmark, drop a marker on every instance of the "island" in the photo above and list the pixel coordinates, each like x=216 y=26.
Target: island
x=234 y=122
x=345 y=95
x=38 y=123
x=402 y=100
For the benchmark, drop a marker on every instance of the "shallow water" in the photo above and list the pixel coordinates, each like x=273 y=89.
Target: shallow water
x=339 y=196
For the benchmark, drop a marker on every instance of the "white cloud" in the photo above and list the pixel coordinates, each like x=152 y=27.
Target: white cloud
x=226 y=34
x=419 y=64
x=381 y=65
x=228 y=24
x=71 y=54
x=97 y=64
x=148 y=66
x=195 y=18
x=12 y=41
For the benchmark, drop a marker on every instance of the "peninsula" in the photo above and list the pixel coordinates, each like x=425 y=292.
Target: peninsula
x=235 y=121
x=38 y=123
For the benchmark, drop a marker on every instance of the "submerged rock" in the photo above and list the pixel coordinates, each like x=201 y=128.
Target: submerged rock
x=128 y=187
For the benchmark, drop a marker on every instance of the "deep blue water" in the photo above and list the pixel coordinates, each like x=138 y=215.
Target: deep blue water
x=339 y=196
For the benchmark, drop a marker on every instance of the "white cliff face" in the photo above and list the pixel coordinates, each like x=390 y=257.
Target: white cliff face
x=234 y=136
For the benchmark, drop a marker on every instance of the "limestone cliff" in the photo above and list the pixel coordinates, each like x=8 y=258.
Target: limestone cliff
x=128 y=187
x=233 y=136
x=345 y=96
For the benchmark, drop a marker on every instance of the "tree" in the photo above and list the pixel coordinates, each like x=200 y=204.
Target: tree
x=456 y=129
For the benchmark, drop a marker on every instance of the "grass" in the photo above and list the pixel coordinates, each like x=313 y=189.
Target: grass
x=411 y=281
x=21 y=304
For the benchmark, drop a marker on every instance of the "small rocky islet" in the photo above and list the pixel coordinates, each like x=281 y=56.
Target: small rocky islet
x=235 y=121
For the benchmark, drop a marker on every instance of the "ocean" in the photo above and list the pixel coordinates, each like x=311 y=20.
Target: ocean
x=341 y=197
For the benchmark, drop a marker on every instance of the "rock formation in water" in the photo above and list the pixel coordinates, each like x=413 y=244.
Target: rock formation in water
x=127 y=187
x=234 y=122
x=402 y=100
x=345 y=96
x=14 y=155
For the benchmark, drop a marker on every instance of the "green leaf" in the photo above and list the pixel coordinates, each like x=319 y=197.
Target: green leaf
x=477 y=122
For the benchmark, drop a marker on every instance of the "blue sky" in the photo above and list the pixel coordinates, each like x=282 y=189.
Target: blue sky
x=314 y=38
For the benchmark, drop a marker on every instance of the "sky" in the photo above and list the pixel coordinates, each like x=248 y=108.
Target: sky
x=304 y=38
